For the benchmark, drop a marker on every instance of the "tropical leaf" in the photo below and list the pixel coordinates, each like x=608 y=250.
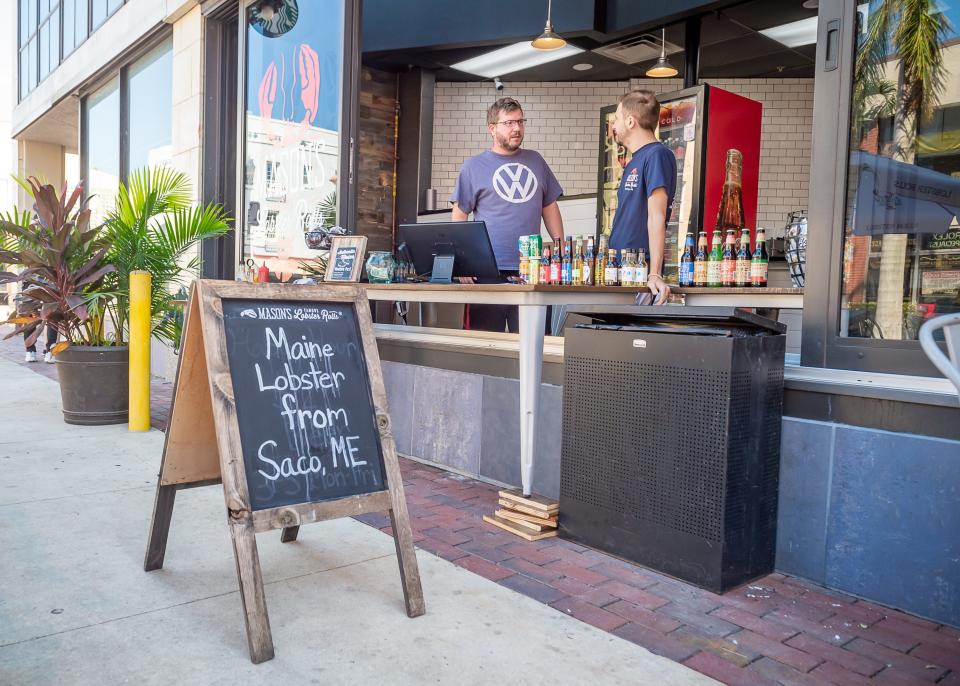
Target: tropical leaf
x=911 y=33
x=62 y=265
x=154 y=228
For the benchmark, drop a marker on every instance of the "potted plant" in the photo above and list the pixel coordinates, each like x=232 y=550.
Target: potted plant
x=63 y=266
x=77 y=279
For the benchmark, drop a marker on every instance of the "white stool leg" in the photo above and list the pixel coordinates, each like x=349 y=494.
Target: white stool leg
x=532 y=320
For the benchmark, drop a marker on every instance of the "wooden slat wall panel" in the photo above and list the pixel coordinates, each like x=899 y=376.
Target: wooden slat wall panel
x=376 y=157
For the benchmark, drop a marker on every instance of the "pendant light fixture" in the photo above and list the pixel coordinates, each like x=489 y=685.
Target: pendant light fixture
x=548 y=40
x=662 y=69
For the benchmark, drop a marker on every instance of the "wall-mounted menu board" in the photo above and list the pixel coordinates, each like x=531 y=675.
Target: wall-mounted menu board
x=280 y=396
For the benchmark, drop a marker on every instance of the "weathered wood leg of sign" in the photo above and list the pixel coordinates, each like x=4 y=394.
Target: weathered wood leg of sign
x=289 y=534
x=259 y=638
x=159 y=527
x=236 y=495
x=400 y=523
x=407 y=558
x=190 y=455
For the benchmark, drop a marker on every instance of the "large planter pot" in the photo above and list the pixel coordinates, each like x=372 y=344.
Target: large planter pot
x=93 y=384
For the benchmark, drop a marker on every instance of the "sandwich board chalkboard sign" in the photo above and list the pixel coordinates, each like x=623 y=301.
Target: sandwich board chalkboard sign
x=279 y=395
x=346 y=258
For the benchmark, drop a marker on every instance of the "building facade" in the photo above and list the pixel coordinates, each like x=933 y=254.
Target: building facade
x=296 y=116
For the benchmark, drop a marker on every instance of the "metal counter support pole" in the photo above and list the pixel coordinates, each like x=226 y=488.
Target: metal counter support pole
x=532 y=321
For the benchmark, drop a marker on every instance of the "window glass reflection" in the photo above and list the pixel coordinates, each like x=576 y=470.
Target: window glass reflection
x=98 y=12
x=291 y=152
x=151 y=93
x=32 y=63
x=71 y=34
x=44 y=50
x=24 y=74
x=54 y=39
x=901 y=258
x=80 y=22
x=24 y=22
x=103 y=148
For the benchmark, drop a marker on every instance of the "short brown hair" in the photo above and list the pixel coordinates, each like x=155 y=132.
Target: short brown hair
x=501 y=105
x=643 y=106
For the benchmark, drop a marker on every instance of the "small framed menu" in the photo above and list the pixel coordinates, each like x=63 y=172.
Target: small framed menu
x=346 y=258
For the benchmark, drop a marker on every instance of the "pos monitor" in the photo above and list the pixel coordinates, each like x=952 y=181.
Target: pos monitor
x=431 y=246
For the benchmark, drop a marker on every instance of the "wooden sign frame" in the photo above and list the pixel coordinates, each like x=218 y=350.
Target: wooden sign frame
x=339 y=243
x=202 y=447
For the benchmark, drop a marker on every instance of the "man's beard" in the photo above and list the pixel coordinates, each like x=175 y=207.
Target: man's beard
x=507 y=143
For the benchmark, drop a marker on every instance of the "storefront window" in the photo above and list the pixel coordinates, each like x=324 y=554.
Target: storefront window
x=74 y=24
x=50 y=30
x=102 y=148
x=901 y=258
x=293 y=95
x=151 y=94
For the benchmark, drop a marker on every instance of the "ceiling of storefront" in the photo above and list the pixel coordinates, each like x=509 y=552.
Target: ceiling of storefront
x=731 y=46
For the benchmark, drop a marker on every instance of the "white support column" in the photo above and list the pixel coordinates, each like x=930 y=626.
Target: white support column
x=532 y=320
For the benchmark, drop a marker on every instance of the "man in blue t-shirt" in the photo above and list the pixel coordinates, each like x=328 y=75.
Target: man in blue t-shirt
x=510 y=189
x=647 y=187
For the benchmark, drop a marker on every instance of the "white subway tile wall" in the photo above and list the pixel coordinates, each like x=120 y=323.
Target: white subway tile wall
x=564 y=128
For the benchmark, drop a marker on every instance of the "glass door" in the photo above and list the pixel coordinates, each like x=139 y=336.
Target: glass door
x=901 y=254
x=293 y=127
x=883 y=243
x=613 y=158
x=678 y=131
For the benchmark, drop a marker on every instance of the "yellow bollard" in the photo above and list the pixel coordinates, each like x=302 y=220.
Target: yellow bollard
x=139 y=388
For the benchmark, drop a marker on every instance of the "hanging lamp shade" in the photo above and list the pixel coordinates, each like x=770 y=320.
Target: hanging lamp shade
x=549 y=39
x=662 y=69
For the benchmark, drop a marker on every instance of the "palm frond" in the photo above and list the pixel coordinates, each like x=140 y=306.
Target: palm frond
x=153 y=228
x=918 y=35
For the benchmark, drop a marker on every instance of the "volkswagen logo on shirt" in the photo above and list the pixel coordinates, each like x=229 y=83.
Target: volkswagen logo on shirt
x=514 y=182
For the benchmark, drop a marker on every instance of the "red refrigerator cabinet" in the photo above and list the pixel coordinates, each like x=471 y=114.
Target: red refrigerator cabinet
x=699 y=125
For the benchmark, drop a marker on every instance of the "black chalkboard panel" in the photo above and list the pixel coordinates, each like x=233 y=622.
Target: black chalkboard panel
x=343 y=262
x=304 y=408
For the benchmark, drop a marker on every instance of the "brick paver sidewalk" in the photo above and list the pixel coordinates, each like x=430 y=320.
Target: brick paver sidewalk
x=777 y=630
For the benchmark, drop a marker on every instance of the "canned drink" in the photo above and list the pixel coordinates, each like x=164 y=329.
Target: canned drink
x=536 y=245
x=533 y=271
x=523 y=246
x=524 y=268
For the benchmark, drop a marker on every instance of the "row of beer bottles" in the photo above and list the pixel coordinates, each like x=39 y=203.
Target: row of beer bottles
x=580 y=266
x=731 y=264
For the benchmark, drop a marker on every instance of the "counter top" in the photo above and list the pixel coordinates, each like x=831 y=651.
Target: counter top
x=520 y=294
x=545 y=288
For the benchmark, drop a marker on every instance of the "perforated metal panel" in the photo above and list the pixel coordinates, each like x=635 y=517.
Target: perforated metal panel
x=670 y=450
x=648 y=441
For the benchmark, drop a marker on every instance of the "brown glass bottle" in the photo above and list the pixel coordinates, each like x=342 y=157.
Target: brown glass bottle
x=730 y=214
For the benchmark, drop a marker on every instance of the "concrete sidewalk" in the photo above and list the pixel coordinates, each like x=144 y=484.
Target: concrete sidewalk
x=76 y=607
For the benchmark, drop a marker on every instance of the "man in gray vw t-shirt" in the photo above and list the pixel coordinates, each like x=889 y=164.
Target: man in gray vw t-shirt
x=510 y=189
